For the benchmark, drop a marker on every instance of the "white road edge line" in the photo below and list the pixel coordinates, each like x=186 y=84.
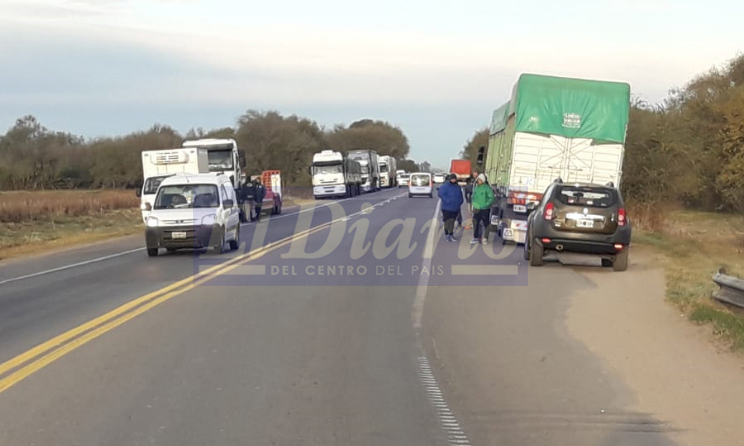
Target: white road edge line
x=74 y=265
x=123 y=253
x=447 y=420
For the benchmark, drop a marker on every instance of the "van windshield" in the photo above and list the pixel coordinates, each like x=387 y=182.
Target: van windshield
x=420 y=180
x=189 y=196
x=152 y=183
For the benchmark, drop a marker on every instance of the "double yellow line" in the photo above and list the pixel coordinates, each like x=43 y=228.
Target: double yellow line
x=33 y=360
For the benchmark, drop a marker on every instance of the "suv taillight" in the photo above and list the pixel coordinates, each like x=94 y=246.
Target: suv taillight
x=621 y=217
x=548 y=214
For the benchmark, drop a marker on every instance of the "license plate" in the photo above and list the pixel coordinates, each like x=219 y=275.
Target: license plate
x=520 y=208
x=178 y=235
x=585 y=223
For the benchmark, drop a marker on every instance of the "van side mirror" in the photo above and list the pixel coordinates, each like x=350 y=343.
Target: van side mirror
x=138 y=193
x=227 y=204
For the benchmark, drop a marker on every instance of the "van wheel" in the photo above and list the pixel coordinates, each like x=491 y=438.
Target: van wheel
x=220 y=247
x=526 y=250
x=410 y=196
x=235 y=244
x=621 y=261
x=536 y=255
x=152 y=252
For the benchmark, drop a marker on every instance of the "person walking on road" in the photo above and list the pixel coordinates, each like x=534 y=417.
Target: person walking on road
x=482 y=199
x=450 y=195
x=260 y=194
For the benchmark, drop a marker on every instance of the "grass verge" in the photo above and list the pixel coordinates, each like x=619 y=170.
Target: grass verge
x=37 y=236
x=694 y=246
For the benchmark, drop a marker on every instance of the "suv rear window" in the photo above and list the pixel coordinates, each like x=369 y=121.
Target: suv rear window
x=586 y=196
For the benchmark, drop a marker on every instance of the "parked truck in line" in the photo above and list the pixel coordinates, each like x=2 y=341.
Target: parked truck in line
x=387 y=165
x=160 y=164
x=552 y=127
x=335 y=174
x=462 y=169
x=224 y=157
x=370 y=169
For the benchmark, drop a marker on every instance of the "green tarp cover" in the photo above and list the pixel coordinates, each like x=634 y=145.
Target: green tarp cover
x=499 y=118
x=574 y=108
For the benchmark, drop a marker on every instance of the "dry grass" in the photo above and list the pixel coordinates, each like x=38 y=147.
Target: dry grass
x=694 y=246
x=20 y=207
x=38 y=221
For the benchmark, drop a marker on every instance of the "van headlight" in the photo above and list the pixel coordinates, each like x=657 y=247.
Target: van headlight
x=152 y=222
x=208 y=220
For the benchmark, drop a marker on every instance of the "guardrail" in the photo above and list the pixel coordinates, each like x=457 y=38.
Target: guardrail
x=731 y=289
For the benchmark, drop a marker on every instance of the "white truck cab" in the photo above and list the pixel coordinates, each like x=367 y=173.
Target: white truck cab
x=193 y=211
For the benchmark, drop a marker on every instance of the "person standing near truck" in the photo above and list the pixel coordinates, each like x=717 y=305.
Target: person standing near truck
x=481 y=201
x=451 y=196
x=248 y=195
x=260 y=194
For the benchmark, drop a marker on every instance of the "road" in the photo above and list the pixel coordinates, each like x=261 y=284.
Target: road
x=366 y=342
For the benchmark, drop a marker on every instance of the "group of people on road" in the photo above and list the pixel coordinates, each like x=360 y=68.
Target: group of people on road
x=479 y=196
x=252 y=194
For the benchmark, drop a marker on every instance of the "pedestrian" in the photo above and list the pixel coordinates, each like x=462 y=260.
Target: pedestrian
x=260 y=194
x=482 y=199
x=450 y=195
x=248 y=194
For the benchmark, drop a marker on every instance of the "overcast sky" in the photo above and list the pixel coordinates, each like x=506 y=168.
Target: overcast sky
x=435 y=68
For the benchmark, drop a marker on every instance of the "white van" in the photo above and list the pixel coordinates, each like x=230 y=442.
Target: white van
x=193 y=211
x=420 y=183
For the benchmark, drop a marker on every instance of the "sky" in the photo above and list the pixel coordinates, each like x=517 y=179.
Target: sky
x=435 y=69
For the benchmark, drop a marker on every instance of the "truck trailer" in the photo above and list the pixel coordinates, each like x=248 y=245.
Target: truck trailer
x=552 y=127
x=160 y=164
x=462 y=169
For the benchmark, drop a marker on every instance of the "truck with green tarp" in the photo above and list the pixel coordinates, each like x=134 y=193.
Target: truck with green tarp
x=552 y=127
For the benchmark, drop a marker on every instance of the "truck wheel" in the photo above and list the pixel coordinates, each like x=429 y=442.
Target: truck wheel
x=536 y=255
x=152 y=252
x=526 y=250
x=621 y=261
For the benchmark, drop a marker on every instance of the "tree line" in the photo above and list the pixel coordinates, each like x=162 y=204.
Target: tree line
x=34 y=157
x=687 y=150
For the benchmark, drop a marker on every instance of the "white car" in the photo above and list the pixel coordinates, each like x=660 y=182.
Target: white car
x=403 y=179
x=192 y=211
x=420 y=184
x=438 y=178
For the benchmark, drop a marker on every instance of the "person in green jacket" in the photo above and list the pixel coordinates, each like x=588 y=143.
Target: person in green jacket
x=481 y=200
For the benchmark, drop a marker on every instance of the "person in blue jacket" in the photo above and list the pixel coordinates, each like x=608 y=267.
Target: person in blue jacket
x=451 y=196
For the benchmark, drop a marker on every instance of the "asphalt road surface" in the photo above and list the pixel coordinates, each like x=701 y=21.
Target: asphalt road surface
x=347 y=324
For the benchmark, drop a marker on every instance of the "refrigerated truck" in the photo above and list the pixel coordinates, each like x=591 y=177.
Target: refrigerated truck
x=370 y=169
x=387 y=165
x=553 y=127
x=335 y=175
x=160 y=164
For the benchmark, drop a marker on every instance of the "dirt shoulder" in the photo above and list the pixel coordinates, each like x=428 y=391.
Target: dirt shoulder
x=676 y=369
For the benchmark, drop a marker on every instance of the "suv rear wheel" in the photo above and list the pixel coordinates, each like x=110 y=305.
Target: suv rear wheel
x=621 y=261
x=536 y=254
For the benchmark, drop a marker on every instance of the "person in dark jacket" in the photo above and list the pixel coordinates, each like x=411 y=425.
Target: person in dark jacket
x=450 y=195
x=260 y=194
x=248 y=195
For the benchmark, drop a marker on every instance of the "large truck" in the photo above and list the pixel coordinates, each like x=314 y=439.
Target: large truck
x=160 y=164
x=387 y=165
x=462 y=169
x=224 y=157
x=335 y=175
x=370 y=169
x=552 y=127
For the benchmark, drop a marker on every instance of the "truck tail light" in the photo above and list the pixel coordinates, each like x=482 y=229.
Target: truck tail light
x=548 y=214
x=621 y=217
